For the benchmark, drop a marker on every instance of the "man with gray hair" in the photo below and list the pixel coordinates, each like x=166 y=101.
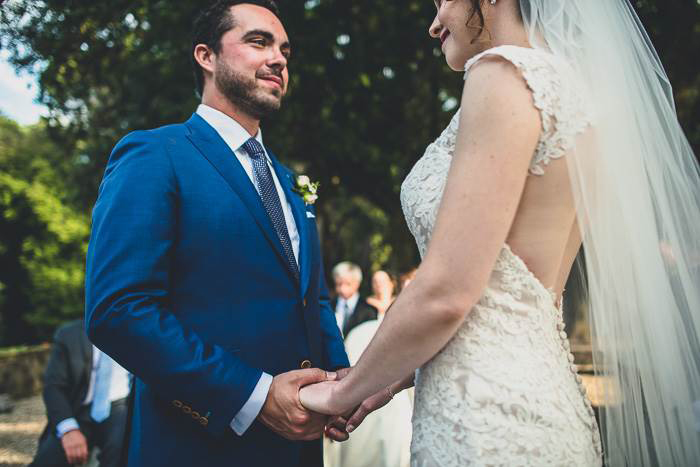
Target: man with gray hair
x=350 y=308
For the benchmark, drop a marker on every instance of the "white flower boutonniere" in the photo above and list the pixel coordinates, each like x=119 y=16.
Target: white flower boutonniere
x=307 y=189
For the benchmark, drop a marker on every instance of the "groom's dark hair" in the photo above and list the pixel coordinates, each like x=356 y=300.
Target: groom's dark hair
x=212 y=23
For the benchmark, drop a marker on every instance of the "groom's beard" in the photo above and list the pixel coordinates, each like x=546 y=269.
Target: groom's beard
x=245 y=93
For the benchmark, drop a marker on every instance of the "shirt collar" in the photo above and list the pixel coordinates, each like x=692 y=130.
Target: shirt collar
x=229 y=129
x=352 y=301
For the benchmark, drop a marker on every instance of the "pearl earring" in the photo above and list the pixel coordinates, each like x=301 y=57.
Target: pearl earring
x=493 y=2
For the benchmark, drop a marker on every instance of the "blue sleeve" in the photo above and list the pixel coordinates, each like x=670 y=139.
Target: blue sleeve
x=128 y=279
x=63 y=427
x=332 y=339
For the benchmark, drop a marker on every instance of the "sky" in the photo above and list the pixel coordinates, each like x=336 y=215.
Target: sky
x=17 y=94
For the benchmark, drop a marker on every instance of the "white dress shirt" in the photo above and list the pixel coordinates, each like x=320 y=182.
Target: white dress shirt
x=343 y=314
x=119 y=388
x=235 y=135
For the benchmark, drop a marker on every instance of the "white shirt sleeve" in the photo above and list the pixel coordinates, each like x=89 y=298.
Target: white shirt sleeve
x=63 y=427
x=250 y=410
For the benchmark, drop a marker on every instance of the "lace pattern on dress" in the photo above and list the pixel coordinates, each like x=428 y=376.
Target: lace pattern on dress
x=422 y=190
x=504 y=390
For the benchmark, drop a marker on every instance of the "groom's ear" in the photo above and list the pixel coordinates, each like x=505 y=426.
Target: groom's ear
x=205 y=57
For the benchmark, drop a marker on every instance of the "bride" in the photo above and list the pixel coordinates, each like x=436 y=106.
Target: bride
x=566 y=135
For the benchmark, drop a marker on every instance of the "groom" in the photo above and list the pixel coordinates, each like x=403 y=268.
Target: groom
x=204 y=274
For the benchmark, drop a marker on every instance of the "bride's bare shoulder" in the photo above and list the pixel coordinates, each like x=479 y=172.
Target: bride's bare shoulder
x=496 y=97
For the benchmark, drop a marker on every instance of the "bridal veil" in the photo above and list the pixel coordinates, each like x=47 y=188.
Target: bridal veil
x=637 y=190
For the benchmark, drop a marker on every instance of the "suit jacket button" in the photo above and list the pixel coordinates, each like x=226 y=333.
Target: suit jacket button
x=306 y=364
x=204 y=421
x=177 y=404
x=187 y=409
x=195 y=415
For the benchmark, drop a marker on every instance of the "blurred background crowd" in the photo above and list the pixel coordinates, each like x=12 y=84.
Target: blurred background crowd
x=368 y=92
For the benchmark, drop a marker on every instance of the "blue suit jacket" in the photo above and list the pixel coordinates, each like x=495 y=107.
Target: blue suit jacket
x=187 y=287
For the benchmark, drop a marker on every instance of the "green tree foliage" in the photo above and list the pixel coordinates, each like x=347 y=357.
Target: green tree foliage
x=43 y=241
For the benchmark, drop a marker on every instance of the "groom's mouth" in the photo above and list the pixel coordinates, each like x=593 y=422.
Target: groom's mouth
x=274 y=80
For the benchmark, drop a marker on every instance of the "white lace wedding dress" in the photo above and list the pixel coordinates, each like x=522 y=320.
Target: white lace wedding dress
x=504 y=390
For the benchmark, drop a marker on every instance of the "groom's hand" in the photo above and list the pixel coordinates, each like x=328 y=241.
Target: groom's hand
x=368 y=406
x=282 y=411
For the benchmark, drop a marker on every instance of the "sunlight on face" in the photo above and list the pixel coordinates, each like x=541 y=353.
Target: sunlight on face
x=252 y=63
x=459 y=41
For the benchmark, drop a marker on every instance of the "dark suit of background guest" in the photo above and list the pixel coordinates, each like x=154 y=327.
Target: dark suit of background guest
x=358 y=314
x=67 y=382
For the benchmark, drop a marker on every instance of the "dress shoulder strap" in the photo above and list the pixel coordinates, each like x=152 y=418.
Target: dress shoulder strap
x=556 y=94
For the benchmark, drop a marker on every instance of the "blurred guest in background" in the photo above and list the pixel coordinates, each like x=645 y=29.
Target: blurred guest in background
x=384 y=437
x=85 y=394
x=382 y=291
x=350 y=308
x=406 y=278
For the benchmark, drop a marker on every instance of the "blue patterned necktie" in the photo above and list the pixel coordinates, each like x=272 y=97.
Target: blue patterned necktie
x=270 y=199
x=103 y=381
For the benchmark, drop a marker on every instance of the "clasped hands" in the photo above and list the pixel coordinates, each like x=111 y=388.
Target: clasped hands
x=304 y=415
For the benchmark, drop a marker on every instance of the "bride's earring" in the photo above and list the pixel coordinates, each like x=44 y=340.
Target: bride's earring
x=493 y=2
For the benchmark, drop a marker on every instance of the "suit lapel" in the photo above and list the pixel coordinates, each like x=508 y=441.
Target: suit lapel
x=299 y=212
x=217 y=152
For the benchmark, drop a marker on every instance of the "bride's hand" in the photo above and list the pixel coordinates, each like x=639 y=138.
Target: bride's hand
x=368 y=406
x=320 y=398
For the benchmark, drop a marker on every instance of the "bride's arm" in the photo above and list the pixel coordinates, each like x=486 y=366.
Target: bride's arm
x=483 y=190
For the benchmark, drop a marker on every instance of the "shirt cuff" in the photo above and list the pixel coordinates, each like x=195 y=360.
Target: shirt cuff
x=69 y=424
x=250 y=410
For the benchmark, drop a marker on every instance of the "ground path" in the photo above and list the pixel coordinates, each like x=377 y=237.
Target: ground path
x=20 y=430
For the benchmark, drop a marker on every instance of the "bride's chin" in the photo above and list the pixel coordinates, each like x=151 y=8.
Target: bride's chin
x=454 y=63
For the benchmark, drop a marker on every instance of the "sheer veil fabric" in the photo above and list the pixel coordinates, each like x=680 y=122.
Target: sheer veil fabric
x=637 y=190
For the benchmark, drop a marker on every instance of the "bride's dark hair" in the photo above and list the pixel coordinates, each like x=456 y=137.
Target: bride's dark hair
x=477 y=12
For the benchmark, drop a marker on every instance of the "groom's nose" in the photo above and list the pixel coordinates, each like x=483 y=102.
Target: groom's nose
x=278 y=61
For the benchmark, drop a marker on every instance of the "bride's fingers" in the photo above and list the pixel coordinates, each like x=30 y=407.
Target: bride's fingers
x=359 y=415
x=335 y=429
x=338 y=421
x=336 y=434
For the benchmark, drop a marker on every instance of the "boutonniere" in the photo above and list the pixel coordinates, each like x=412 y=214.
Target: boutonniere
x=306 y=189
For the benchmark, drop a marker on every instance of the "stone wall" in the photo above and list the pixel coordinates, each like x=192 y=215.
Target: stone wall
x=21 y=373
